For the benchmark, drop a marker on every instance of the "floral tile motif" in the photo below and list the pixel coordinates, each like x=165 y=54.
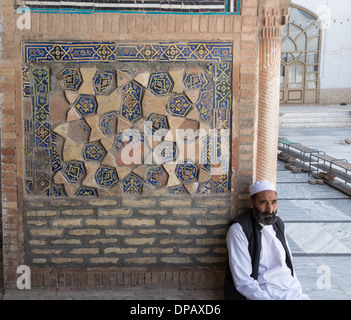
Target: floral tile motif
x=106 y=177
x=132 y=184
x=85 y=105
x=111 y=129
x=128 y=148
x=78 y=131
x=86 y=192
x=56 y=155
x=41 y=88
x=42 y=183
x=93 y=151
x=187 y=171
x=177 y=190
x=165 y=152
x=131 y=102
x=156 y=125
x=42 y=135
x=104 y=82
x=195 y=79
x=156 y=177
x=179 y=106
x=71 y=79
x=26 y=84
x=73 y=171
x=108 y=123
x=205 y=105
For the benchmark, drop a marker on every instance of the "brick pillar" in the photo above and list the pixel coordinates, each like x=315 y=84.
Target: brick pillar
x=272 y=18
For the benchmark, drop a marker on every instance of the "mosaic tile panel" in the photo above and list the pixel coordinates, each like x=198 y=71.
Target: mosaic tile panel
x=119 y=131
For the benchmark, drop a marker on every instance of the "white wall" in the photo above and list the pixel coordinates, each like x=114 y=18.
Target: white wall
x=335 y=42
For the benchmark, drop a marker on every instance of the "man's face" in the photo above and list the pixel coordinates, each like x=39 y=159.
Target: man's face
x=264 y=207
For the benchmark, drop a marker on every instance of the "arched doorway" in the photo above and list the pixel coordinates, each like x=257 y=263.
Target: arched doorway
x=299 y=76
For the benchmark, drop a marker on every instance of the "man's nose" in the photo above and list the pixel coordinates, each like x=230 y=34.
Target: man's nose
x=269 y=207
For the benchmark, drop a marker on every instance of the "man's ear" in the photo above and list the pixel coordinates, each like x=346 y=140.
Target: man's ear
x=251 y=202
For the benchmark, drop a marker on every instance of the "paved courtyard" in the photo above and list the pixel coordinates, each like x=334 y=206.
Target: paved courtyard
x=318 y=218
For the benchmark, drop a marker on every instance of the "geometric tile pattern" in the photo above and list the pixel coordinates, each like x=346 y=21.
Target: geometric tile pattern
x=179 y=106
x=87 y=52
x=132 y=184
x=93 y=151
x=85 y=105
x=187 y=172
x=106 y=176
x=156 y=125
x=104 y=82
x=160 y=83
x=161 y=6
x=195 y=79
x=73 y=171
x=156 y=177
x=105 y=141
x=71 y=79
x=131 y=98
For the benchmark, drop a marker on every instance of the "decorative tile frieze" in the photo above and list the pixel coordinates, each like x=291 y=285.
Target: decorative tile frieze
x=161 y=6
x=81 y=52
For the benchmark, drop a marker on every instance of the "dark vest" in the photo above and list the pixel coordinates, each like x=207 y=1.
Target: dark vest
x=252 y=230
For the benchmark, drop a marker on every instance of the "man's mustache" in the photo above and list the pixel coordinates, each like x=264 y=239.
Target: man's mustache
x=268 y=214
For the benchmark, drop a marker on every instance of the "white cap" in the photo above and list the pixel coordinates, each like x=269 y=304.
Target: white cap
x=262 y=185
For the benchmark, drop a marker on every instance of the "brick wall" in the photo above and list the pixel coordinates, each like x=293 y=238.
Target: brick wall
x=335 y=96
x=124 y=240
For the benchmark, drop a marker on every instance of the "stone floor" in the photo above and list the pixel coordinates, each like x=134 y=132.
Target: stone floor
x=318 y=218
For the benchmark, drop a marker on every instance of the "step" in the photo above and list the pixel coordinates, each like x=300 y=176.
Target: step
x=315 y=124
x=314 y=116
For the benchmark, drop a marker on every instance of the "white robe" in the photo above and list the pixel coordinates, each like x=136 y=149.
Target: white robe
x=274 y=281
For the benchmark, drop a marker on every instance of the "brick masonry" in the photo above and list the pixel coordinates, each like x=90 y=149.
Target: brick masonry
x=335 y=96
x=126 y=232
x=148 y=240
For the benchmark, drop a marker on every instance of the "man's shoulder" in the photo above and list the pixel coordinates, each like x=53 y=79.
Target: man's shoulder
x=245 y=221
x=244 y=217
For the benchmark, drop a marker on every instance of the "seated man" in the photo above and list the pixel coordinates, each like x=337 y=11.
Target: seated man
x=260 y=265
